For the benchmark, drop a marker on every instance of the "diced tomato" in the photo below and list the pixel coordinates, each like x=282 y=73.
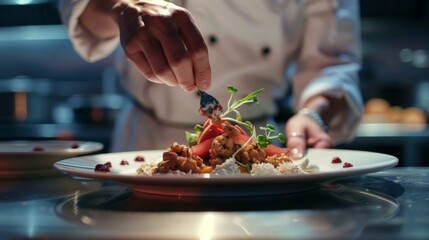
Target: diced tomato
x=240 y=139
x=210 y=132
x=273 y=150
x=203 y=149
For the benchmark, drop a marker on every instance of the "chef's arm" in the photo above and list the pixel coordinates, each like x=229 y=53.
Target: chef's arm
x=329 y=60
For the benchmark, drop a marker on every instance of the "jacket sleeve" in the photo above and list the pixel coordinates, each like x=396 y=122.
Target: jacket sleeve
x=328 y=61
x=86 y=45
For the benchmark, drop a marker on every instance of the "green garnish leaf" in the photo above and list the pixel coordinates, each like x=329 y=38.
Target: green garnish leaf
x=262 y=141
x=198 y=128
x=255 y=100
x=270 y=127
x=248 y=168
x=191 y=138
x=269 y=130
x=281 y=137
x=232 y=89
x=238 y=116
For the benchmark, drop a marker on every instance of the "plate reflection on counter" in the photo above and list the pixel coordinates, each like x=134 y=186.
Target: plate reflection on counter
x=332 y=211
x=27 y=189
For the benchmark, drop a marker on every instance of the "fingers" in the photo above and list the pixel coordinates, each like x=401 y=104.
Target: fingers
x=323 y=141
x=296 y=142
x=301 y=133
x=175 y=55
x=139 y=60
x=155 y=55
x=166 y=46
x=197 y=48
x=296 y=135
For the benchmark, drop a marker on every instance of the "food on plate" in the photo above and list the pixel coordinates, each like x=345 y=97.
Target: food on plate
x=347 y=165
x=336 y=159
x=38 y=149
x=226 y=145
x=103 y=167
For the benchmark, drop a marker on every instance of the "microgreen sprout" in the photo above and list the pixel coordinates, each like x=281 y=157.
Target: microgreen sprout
x=266 y=139
x=233 y=104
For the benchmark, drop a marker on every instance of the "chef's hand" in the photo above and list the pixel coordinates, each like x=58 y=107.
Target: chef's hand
x=303 y=132
x=306 y=128
x=164 y=43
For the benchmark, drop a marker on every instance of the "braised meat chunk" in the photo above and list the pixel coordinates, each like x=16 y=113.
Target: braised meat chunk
x=223 y=147
x=179 y=157
x=251 y=154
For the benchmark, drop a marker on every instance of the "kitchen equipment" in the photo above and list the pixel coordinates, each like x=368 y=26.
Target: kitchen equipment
x=25 y=100
x=95 y=109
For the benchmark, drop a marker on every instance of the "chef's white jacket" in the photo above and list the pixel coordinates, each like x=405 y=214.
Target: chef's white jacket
x=311 y=45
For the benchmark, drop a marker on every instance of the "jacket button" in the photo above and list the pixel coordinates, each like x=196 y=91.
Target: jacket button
x=213 y=39
x=266 y=51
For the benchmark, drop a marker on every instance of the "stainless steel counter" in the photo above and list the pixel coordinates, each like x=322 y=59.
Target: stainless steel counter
x=392 y=204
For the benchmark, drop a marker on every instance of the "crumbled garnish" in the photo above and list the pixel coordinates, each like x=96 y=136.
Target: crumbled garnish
x=102 y=168
x=139 y=159
x=38 y=149
x=347 y=165
x=336 y=160
x=109 y=164
x=74 y=145
x=227 y=168
x=262 y=169
x=124 y=162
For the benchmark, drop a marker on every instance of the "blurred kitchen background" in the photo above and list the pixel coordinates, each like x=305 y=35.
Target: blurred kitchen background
x=48 y=92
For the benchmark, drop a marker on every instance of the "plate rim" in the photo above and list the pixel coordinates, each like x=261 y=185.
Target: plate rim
x=33 y=164
x=138 y=179
x=96 y=146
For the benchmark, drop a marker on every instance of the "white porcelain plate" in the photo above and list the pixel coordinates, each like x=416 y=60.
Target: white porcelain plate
x=35 y=158
x=208 y=185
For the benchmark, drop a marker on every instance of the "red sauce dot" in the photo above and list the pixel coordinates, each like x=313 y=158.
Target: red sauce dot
x=74 y=145
x=336 y=160
x=102 y=168
x=347 y=165
x=124 y=162
x=108 y=164
x=139 y=159
x=38 y=149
